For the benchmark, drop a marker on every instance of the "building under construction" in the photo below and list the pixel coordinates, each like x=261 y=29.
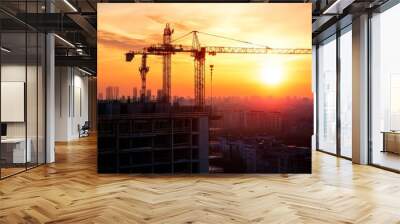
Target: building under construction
x=151 y=137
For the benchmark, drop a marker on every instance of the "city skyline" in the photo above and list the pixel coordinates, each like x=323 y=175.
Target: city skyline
x=234 y=75
x=112 y=94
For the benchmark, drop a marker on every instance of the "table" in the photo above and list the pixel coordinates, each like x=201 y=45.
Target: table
x=391 y=141
x=15 y=148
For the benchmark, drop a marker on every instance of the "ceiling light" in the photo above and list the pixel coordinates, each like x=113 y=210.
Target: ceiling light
x=64 y=40
x=70 y=5
x=84 y=71
x=5 y=50
x=79 y=51
x=337 y=7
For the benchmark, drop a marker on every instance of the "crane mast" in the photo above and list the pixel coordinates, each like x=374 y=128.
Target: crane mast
x=167 y=64
x=198 y=52
x=143 y=69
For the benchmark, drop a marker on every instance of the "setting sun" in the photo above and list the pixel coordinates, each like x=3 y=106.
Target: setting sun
x=272 y=74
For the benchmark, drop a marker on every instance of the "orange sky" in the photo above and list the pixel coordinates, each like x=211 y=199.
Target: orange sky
x=123 y=27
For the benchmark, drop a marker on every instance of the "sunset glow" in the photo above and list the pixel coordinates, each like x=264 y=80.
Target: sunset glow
x=125 y=27
x=272 y=74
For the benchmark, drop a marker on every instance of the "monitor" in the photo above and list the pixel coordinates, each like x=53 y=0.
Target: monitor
x=3 y=129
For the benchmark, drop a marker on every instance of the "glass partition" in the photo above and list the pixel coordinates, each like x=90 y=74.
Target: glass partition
x=22 y=88
x=385 y=89
x=346 y=93
x=327 y=95
x=14 y=153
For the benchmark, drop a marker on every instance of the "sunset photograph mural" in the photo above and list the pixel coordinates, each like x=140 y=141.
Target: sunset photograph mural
x=204 y=88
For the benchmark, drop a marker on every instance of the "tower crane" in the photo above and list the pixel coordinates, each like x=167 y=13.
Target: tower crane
x=198 y=52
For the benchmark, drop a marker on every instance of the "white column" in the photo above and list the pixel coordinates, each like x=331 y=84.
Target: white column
x=360 y=89
x=50 y=91
x=50 y=99
x=63 y=101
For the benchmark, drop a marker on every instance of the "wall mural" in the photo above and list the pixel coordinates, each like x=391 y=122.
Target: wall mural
x=204 y=88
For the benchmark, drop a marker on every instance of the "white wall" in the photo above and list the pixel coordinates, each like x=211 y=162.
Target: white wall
x=62 y=82
x=12 y=73
x=80 y=112
x=71 y=103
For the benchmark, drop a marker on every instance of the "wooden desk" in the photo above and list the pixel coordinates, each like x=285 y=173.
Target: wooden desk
x=391 y=141
x=16 y=147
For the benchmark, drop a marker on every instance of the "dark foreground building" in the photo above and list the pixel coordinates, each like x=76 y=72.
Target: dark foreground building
x=151 y=138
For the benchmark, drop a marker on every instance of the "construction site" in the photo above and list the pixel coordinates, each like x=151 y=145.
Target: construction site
x=145 y=135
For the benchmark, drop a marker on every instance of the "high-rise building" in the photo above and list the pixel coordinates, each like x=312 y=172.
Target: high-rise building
x=256 y=120
x=159 y=94
x=116 y=92
x=175 y=99
x=148 y=94
x=112 y=93
x=274 y=122
x=234 y=119
x=134 y=93
x=109 y=93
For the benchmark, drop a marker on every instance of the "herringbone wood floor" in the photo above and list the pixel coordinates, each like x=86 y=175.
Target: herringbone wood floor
x=70 y=191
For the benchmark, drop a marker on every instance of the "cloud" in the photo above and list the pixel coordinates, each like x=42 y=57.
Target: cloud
x=180 y=25
x=156 y=18
x=110 y=39
x=176 y=24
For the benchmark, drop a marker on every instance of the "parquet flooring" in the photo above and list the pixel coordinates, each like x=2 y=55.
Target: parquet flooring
x=11 y=170
x=70 y=191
